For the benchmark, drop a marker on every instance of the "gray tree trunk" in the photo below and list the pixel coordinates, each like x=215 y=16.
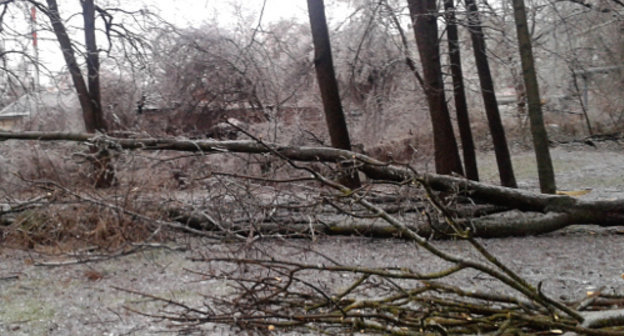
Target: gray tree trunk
x=84 y=98
x=89 y=97
x=105 y=175
x=503 y=158
x=459 y=94
x=328 y=85
x=93 y=64
x=538 y=130
x=424 y=18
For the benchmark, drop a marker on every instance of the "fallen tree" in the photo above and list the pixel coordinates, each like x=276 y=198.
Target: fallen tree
x=271 y=294
x=534 y=213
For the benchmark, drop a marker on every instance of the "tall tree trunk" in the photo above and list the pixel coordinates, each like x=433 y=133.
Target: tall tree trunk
x=424 y=18
x=503 y=158
x=89 y=97
x=328 y=85
x=84 y=98
x=459 y=94
x=538 y=130
x=93 y=64
x=105 y=174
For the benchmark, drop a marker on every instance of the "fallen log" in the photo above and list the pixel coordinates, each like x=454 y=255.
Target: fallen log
x=511 y=224
x=557 y=210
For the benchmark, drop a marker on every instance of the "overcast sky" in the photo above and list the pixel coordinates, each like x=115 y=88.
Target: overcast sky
x=185 y=13
x=194 y=12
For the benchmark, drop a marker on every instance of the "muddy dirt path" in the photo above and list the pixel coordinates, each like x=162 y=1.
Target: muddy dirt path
x=81 y=299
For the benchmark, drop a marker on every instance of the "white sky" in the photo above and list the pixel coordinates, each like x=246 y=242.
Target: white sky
x=225 y=12
x=194 y=12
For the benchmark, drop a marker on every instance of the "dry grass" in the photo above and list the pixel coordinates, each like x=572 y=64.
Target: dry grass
x=69 y=213
x=66 y=228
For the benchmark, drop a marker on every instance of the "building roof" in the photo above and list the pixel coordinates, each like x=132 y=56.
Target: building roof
x=46 y=110
x=19 y=108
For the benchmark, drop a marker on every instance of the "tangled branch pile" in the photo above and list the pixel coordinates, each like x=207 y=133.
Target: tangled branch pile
x=283 y=295
x=267 y=294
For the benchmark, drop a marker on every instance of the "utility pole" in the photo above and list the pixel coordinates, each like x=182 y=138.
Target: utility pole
x=33 y=29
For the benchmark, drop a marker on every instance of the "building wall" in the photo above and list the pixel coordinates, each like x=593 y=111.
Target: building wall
x=8 y=124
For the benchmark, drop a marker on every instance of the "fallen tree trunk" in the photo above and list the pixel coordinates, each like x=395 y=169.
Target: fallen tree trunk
x=327 y=222
x=557 y=211
x=520 y=224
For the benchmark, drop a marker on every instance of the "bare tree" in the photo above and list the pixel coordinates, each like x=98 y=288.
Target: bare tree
x=540 y=137
x=459 y=94
x=328 y=85
x=376 y=84
x=87 y=86
x=93 y=65
x=89 y=97
x=424 y=18
x=207 y=69
x=87 y=104
x=503 y=158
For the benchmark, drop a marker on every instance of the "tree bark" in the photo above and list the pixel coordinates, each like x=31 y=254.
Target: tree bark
x=84 y=97
x=105 y=174
x=459 y=94
x=503 y=158
x=337 y=224
x=332 y=105
x=578 y=211
x=93 y=64
x=538 y=130
x=89 y=97
x=424 y=19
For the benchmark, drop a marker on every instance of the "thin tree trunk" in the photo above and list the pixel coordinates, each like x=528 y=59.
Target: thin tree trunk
x=538 y=130
x=328 y=85
x=459 y=94
x=503 y=158
x=581 y=100
x=424 y=18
